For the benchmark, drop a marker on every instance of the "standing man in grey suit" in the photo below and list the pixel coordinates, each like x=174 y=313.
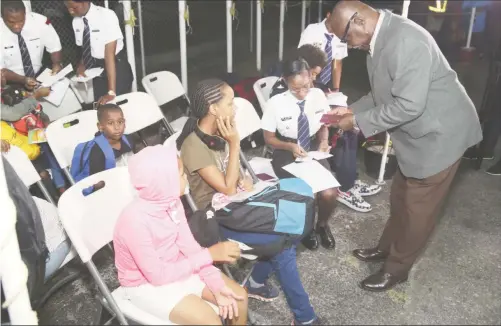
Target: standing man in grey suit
x=417 y=98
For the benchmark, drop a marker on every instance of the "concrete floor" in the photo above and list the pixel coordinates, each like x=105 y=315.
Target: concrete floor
x=456 y=281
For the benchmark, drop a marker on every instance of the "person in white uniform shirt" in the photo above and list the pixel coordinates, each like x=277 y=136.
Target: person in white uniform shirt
x=25 y=36
x=292 y=127
x=321 y=35
x=98 y=33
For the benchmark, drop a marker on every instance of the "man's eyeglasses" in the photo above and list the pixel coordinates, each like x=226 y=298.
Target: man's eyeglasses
x=347 y=29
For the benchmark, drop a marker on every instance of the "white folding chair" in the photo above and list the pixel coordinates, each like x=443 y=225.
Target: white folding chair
x=64 y=134
x=80 y=214
x=26 y=171
x=140 y=111
x=165 y=87
x=247 y=122
x=262 y=88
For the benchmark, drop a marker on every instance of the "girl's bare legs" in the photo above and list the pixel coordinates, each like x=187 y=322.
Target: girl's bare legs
x=184 y=312
x=239 y=291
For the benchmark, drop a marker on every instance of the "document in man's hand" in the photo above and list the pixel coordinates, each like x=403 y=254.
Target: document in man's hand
x=47 y=79
x=337 y=99
x=89 y=74
x=314 y=174
x=244 y=247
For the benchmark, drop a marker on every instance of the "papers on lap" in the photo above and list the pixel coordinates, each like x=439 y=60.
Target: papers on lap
x=58 y=91
x=314 y=155
x=314 y=174
x=258 y=187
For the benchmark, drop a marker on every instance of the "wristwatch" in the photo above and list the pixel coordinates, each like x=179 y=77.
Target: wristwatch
x=112 y=93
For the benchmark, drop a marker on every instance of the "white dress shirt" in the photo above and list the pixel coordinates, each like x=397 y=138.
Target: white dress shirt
x=104 y=28
x=282 y=113
x=38 y=34
x=314 y=34
x=376 y=32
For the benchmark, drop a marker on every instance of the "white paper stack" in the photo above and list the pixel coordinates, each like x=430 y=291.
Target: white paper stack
x=314 y=174
x=337 y=99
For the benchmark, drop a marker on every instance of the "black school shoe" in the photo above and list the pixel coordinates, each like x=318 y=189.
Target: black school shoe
x=495 y=169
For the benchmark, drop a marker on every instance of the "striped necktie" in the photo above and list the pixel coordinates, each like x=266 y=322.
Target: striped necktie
x=88 y=60
x=326 y=73
x=25 y=56
x=303 y=128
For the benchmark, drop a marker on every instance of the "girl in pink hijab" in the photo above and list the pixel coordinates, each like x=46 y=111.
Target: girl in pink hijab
x=163 y=269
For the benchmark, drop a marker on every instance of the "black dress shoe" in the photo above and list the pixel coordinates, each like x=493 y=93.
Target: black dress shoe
x=370 y=255
x=326 y=238
x=381 y=281
x=311 y=241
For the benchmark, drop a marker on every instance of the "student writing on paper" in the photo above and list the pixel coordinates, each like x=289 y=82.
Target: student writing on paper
x=23 y=112
x=210 y=146
x=164 y=271
x=98 y=33
x=25 y=36
x=291 y=124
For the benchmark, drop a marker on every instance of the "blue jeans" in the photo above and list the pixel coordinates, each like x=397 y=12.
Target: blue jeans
x=56 y=258
x=345 y=160
x=57 y=172
x=285 y=268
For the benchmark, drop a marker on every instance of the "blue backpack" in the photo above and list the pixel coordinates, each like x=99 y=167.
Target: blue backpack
x=285 y=210
x=80 y=167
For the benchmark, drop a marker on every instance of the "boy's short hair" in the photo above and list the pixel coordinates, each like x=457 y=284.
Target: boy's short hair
x=12 y=6
x=314 y=56
x=102 y=110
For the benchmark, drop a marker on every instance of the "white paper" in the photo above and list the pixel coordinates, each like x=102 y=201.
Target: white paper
x=244 y=247
x=258 y=187
x=314 y=155
x=89 y=75
x=337 y=99
x=58 y=91
x=48 y=80
x=314 y=174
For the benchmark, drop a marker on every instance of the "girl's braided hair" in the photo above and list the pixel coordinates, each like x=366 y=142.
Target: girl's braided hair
x=206 y=93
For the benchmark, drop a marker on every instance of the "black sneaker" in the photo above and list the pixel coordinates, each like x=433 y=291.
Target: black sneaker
x=495 y=169
x=472 y=154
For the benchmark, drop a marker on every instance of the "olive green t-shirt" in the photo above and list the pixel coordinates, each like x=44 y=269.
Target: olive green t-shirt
x=196 y=155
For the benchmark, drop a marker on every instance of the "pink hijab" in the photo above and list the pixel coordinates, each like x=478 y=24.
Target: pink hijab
x=154 y=173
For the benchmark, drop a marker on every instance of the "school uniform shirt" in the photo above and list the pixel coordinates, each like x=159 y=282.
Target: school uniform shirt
x=314 y=34
x=38 y=34
x=104 y=28
x=282 y=113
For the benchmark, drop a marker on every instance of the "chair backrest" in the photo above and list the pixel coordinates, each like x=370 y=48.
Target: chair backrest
x=172 y=139
x=64 y=134
x=164 y=86
x=246 y=118
x=140 y=110
x=22 y=165
x=71 y=103
x=262 y=88
x=90 y=220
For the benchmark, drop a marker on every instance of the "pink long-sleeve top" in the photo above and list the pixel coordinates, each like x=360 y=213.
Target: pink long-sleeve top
x=153 y=242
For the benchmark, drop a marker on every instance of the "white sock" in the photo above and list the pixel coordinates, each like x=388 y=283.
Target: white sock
x=253 y=283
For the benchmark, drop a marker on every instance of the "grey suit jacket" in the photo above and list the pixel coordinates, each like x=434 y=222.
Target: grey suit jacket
x=417 y=98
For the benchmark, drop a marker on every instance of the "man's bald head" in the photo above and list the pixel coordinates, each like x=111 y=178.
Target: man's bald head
x=353 y=22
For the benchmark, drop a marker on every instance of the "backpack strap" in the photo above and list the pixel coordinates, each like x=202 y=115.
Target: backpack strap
x=109 y=155
x=80 y=162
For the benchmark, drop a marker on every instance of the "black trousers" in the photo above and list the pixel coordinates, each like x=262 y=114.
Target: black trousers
x=123 y=80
